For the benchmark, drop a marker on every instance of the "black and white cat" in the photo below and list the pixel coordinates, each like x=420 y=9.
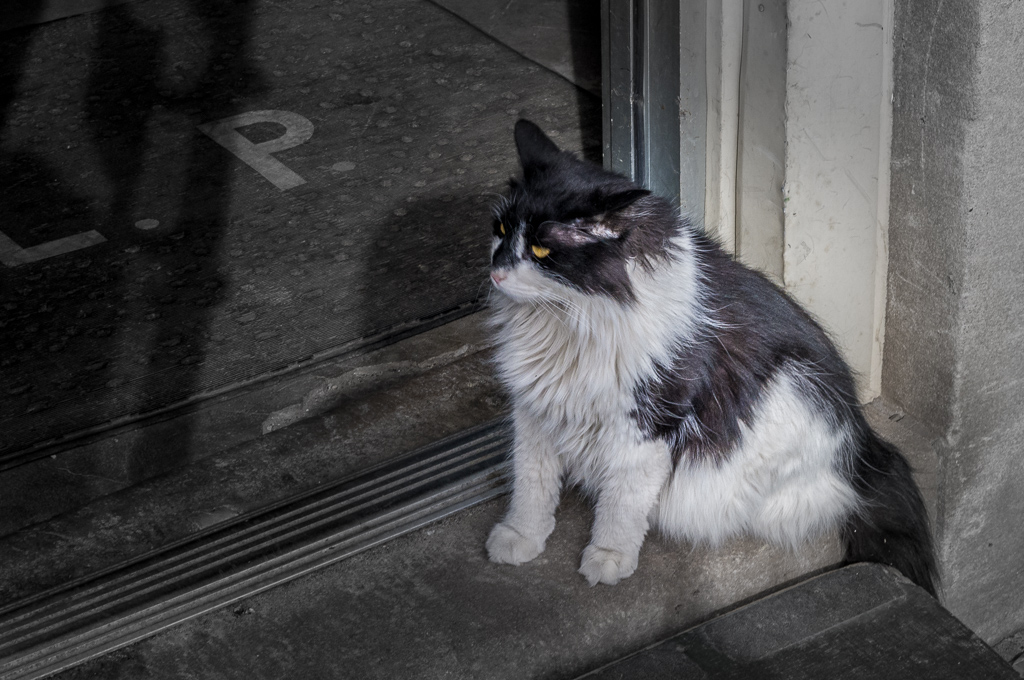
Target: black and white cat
x=675 y=386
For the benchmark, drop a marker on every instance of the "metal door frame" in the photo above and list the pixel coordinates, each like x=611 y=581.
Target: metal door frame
x=654 y=95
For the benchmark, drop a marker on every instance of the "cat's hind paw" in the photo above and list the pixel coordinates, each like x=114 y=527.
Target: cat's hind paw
x=600 y=565
x=507 y=546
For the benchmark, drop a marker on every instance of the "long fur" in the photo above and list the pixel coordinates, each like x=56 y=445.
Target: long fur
x=674 y=385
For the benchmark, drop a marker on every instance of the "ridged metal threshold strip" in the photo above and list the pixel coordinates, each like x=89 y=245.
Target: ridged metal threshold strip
x=65 y=626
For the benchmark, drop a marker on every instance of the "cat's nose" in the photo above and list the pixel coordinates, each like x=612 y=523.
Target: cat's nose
x=498 y=277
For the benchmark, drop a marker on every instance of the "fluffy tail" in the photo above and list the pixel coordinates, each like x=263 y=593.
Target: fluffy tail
x=891 y=526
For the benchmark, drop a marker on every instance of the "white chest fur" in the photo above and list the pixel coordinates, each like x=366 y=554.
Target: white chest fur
x=572 y=361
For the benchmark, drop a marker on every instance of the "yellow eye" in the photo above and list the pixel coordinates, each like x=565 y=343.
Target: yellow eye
x=540 y=251
x=501 y=227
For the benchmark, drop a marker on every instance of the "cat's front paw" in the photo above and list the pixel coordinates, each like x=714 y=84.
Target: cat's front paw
x=600 y=565
x=507 y=546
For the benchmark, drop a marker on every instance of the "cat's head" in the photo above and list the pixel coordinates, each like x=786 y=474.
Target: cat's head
x=569 y=226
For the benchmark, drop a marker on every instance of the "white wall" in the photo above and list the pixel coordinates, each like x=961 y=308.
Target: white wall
x=838 y=132
x=810 y=107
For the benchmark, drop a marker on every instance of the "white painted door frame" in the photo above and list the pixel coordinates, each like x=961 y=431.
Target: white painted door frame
x=838 y=144
x=783 y=142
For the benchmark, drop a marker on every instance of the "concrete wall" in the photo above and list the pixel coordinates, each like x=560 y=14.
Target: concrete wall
x=954 y=346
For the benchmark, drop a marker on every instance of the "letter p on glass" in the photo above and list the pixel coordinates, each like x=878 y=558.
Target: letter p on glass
x=297 y=130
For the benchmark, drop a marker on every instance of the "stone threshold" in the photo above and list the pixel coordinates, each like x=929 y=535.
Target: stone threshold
x=352 y=421
x=385 y=404
x=236 y=559
x=96 y=464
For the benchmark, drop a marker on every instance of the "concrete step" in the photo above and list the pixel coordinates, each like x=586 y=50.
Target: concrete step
x=251 y=553
x=430 y=605
x=862 y=621
x=72 y=475
x=383 y=404
x=406 y=396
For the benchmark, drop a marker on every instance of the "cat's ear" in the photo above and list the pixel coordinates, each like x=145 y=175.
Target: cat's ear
x=622 y=199
x=577 y=233
x=535 y=148
x=562 y=236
